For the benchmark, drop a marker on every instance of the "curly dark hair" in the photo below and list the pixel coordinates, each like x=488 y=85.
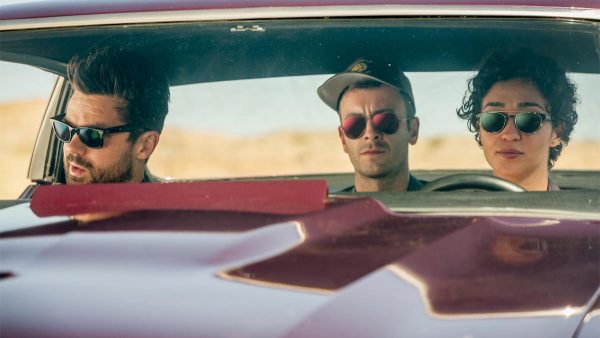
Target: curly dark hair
x=118 y=70
x=543 y=72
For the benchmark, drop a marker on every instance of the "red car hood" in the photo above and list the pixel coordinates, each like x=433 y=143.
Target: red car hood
x=348 y=268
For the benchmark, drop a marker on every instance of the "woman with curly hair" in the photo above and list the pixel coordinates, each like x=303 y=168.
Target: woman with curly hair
x=521 y=107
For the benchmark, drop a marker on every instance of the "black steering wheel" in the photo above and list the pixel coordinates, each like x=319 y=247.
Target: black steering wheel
x=471 y=181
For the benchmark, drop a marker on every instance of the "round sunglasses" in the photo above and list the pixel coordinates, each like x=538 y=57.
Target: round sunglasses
x=90 y=137
x=354 y=125
x=526 y=122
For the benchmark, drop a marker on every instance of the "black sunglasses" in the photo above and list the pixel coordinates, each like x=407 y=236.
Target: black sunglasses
x=526 y=122
x=91 y=137
x=354 y=125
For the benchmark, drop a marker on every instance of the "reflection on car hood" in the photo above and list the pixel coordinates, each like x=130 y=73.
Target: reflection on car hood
x=350 y=269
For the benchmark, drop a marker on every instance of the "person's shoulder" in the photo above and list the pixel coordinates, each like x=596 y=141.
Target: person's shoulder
x=413 y=183
x=347 y=189
x=552 y=186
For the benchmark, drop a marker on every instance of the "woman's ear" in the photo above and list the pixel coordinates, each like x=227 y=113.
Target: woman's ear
x=556 y=137
x=145 y=144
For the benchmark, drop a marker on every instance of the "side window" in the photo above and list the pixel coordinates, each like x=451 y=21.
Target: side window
x=24 y=92
x=585 y=139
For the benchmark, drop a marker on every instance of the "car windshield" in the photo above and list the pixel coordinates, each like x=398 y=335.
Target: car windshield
x=244 y=97
x=279 y=126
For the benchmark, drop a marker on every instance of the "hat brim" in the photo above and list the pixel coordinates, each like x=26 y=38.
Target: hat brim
x=330 y=91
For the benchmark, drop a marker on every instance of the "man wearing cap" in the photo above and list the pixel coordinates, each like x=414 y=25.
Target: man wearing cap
x=377 y=113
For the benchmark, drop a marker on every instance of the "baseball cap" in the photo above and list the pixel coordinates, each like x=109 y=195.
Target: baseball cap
x=360 y=70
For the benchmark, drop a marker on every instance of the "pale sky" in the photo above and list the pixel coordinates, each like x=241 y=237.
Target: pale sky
x=293 y=103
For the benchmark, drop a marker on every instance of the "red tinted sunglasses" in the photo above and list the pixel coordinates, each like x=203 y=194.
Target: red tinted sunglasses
x=354 y=125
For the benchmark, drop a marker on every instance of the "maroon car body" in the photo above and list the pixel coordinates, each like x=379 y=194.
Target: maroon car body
x=339 y=267
x=286 y=256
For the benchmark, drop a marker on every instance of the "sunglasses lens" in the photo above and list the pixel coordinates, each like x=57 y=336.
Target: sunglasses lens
x=62 y=131
x=528 y=122
x=90 y=137
x=386 y=123
x=354 y=126
x=492 y=122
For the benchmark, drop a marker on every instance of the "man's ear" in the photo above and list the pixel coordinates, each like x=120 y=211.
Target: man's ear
x=556 y=137
x=145 y=144
x=343 y=139
x=414 y=130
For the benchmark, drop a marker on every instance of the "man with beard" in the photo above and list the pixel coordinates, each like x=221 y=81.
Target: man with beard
x=114 y=117
x=376 y=107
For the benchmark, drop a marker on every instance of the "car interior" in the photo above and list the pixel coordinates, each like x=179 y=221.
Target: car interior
x=208 y=62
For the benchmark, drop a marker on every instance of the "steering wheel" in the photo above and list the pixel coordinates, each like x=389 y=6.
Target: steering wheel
x=471 y=181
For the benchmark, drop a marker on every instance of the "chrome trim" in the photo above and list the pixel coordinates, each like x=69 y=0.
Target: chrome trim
x=501 y=212
x=298 y=12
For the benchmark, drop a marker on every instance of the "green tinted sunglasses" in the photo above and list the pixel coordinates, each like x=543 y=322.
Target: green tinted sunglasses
x=526 y=122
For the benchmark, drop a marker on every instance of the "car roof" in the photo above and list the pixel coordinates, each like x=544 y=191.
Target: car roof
x=57 y=8
x=182 y=48
x=45 y=34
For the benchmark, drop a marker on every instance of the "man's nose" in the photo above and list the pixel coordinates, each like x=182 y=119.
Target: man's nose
x=510 y=131
x=75 y=146
x=371 y=133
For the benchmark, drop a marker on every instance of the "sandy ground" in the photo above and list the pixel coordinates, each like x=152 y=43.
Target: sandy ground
x=183 y=154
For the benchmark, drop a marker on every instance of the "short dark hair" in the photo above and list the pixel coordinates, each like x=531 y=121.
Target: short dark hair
x=543 y=72
x=366 y=84
x=124 y=73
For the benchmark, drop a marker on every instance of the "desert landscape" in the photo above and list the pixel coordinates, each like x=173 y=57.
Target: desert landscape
x=187 y=154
